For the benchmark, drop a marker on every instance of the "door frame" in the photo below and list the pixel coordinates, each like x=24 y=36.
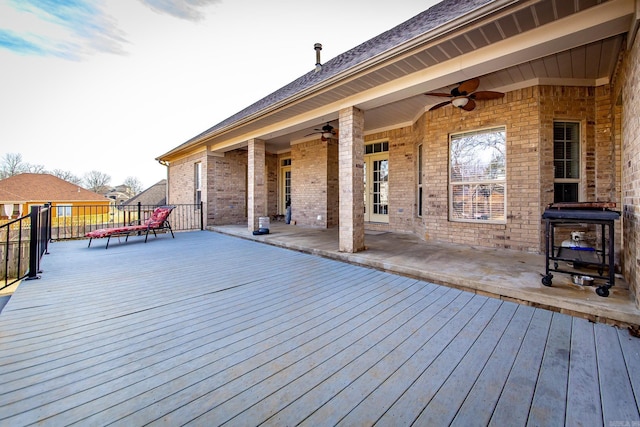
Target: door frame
x=369 y=160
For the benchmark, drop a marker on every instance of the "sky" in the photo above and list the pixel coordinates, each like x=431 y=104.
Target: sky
x=109 y=85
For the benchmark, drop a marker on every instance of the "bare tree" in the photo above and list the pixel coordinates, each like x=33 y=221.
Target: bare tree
x=134 y=184
x=12 y=164
x=31 y=168
x=67 y=176
x=98 y=182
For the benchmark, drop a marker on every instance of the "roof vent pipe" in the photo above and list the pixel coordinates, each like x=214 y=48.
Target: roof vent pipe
x=318 y=48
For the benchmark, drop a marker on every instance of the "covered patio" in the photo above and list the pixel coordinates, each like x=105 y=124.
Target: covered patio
x=208 y=329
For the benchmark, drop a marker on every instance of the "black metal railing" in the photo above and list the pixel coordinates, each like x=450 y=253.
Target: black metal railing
x=23 y=241
x=76 y=221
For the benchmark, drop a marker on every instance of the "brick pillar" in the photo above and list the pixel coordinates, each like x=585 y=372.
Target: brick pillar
x=257 y=189
x=351 y=179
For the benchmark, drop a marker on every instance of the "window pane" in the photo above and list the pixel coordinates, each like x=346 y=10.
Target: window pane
x=566 y=150
x=559 y=169
x=478 y=175
x=478 y=156
x=478 y=202
x=565 y=192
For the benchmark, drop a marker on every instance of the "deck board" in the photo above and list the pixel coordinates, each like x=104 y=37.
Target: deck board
x=550 y=396
x=583 y=401
x=615 y=388
x=444 y=406
x=237 y=332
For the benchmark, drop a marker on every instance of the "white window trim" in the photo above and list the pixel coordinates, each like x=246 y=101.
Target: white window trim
x=579 y=157
x=488 y=182
x=68 y=210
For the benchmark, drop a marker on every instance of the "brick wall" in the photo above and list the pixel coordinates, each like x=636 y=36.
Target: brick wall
x=309 y=184
x=518 y=112
x=271 y=171
x=181 y=178
x=627 y=90
x=227 y=186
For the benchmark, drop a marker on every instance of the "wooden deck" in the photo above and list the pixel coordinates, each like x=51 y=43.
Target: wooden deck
x=207 y=329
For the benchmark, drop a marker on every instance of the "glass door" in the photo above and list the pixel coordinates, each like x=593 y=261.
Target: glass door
x=376 y=188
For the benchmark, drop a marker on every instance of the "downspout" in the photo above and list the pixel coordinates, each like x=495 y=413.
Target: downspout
x=166 y=192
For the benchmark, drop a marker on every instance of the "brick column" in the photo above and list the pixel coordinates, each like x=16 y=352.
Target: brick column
x=351 y=179
x=257 y=189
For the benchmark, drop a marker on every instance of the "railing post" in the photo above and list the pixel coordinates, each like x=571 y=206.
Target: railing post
x=34 y=258
x=139 y=216
x=201 y=216
x=48 y=228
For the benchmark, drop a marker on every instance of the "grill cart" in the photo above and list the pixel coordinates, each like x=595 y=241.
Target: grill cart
x=573 y=256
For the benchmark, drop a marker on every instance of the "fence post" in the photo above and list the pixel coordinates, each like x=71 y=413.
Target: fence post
x=201 y=217
x=33 y=244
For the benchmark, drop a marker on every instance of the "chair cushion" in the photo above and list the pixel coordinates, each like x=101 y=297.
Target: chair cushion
x=105 y=232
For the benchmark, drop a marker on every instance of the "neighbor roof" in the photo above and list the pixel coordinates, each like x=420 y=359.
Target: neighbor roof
x=36 y=187
x=156 y=195
x=432 y=18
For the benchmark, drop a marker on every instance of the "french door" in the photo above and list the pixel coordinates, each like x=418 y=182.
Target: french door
x=376 y=187
x=285 y=185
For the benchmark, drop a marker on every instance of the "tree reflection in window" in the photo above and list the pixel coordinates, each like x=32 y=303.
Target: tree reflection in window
x=477 y=175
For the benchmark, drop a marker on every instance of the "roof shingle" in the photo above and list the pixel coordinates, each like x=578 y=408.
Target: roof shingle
x=36 y=187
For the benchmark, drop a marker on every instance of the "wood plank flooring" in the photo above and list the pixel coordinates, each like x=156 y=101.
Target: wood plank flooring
x=207 y=329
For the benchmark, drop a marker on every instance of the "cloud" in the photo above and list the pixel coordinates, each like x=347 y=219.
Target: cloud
x=76 y=29
x=12 y=41
x=183 y=9
x=71 y=29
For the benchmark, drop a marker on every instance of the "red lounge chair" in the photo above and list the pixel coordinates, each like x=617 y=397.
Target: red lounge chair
x=157 y=221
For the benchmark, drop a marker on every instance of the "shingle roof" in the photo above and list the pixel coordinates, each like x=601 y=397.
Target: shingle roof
x=432 y=18
x=156 y=195
x=36 y=187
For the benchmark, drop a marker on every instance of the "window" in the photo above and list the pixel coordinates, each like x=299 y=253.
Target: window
x=477 y=176
x=566 y=161
x=378 y=147
x=11 y=210
x=63 y=210
x=197 y=180
x=420 y=197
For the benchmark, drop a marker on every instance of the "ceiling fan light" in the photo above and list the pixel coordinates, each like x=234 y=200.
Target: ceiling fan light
x=327 y=135
x=460 y=102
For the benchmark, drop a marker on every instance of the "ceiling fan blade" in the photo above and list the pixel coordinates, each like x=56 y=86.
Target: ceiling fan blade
x=470 y=105
x=442 y=104
x=468 y=86
x=312 y=133
x=487 y=94
x=448 y=95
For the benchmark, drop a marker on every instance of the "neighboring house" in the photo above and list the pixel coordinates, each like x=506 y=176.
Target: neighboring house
x=119 y=194
x=19 y=192
x=566 y=129
x=156 y=195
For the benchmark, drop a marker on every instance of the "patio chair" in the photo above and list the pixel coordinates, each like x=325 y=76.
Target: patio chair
x=156 y=222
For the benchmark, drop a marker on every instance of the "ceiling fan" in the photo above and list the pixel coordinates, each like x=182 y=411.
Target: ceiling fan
x=464 y=95
x=327 y=131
